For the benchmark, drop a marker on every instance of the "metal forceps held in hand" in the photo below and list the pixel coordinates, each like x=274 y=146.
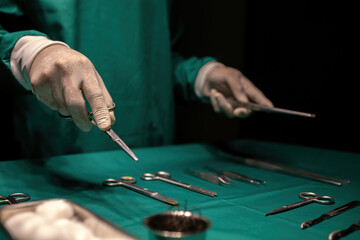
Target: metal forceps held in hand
x=111 y=134
x=309 y=197
x=14 y=198
x=166 y=177
x=128 y=182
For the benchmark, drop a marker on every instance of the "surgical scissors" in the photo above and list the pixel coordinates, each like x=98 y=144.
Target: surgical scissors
x=128 y=182
x=14 y=198
x=309 y=197
x=110 y=133
x=166 y=177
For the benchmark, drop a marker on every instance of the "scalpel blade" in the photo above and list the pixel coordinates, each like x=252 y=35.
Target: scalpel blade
x=117 y=139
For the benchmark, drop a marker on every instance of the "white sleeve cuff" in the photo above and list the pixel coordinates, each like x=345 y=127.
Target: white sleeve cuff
x=201 y=77
x=24 y=53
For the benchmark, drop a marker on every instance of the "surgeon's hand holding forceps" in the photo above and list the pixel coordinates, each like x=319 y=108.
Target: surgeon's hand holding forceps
x=128 y=182
x=14 y=198
x=309 y=197
x=111 y=134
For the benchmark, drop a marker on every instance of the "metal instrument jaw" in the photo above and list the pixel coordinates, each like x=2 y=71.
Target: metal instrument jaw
x=110 y=133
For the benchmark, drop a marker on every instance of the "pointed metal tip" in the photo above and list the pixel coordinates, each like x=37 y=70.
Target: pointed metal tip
x=304 y=225
x=271 y=213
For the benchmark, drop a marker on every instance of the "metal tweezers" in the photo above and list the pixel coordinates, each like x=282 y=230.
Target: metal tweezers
x=234 y=175
x=210 y=177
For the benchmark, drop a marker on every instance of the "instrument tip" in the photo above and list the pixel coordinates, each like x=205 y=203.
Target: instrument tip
x=304 y=225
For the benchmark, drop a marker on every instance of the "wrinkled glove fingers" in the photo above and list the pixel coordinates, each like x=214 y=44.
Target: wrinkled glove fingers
x=237 y=89
x=255 y=94
x=107 y=97
x=222 y=104
x=241 y=112
x=76 y=106
x=94 y=96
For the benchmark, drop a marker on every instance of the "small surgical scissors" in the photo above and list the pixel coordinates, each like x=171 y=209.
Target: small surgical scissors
x=14 y=198
x=110 y=133
x=128 y=182
x=166 y=177
x=309 y=197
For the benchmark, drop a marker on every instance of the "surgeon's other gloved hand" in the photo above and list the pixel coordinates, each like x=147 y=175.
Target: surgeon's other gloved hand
x=223 y=83
x=60 y=77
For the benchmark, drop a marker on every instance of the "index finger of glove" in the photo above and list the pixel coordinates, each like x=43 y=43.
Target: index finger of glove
x=94 y=96
x=255 y=94
x=108 y=99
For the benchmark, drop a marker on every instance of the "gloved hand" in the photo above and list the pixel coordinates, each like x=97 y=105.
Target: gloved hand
x=224 y=83
x=60 y=76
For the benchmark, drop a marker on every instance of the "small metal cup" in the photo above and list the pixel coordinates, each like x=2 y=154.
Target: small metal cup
x=177 y=225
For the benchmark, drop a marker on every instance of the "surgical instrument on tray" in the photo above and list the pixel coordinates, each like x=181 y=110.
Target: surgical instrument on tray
x=166 y=177
x=276 y=167
x=14 y=198
x=111 y=134
x=210 y=177
x=309 y=197
x=128 y=182
x=258 y=107
x=330 y=214
x=342 y=233
x=234 y=175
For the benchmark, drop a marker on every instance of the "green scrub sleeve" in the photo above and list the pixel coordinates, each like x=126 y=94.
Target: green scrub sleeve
x=185 y=71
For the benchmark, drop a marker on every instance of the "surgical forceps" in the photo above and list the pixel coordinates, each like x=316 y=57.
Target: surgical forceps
x=258 y=107
x=234 y=175
x=210 y=177
x=166 y=177
x=309 y=197
x=14 y=198
x=110 y=133
x=128 y=182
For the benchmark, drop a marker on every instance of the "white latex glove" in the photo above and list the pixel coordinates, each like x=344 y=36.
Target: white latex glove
x=224 y=83
x=59 y=78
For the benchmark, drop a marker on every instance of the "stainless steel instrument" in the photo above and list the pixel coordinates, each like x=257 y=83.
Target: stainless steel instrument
x=128 y=182
x=166 y=177
x=309 y=197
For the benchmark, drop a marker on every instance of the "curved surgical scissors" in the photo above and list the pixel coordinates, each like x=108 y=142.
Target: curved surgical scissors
x=14 y=198
x=309 y=197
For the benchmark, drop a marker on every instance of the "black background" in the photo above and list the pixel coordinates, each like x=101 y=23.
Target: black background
x=301 y=54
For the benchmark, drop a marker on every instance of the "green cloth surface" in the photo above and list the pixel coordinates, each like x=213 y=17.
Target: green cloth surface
x=236 y=213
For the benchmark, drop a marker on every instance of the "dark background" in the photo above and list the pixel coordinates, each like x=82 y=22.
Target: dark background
x=297 y=52
x=301 y=54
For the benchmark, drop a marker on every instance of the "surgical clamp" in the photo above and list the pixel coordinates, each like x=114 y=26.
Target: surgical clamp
x=166 y=177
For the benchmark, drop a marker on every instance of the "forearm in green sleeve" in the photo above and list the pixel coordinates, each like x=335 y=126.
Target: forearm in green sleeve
x=185 y=71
